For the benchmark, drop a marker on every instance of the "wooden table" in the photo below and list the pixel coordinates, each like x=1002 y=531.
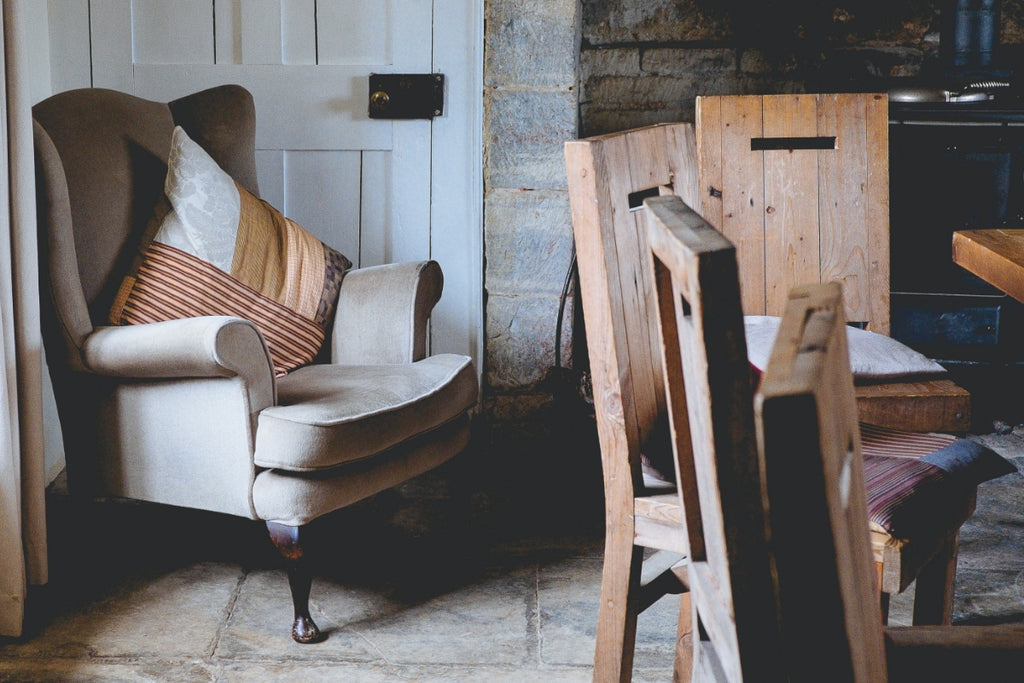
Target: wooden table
x=996 y=256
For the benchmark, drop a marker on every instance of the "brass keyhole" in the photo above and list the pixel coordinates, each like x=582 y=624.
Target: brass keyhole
x=379 y=99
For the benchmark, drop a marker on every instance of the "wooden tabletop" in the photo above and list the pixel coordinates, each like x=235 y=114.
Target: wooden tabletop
x=996 y=256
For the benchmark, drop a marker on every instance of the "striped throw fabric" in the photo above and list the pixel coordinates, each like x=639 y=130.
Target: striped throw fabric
x=171 y=284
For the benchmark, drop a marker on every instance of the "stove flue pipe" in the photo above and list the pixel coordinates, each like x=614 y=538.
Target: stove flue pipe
x=971 y=32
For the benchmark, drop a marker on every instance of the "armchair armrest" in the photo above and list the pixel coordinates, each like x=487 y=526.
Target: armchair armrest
x=382 y=313
x=209 y=346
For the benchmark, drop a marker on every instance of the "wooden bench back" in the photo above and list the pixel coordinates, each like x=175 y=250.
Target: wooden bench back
x=800 y=184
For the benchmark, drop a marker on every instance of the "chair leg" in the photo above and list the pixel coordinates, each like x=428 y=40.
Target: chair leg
x=933 y=594
x=287 y=541
x=683 y=669
x=616 y=616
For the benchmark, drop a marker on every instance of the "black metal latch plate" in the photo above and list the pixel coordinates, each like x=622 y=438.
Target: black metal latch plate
x=406 y=96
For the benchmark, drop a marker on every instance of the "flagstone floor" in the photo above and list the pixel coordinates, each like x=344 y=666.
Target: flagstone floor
x=149 y=593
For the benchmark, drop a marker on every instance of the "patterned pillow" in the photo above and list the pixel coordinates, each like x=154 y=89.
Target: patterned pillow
x=216 y=249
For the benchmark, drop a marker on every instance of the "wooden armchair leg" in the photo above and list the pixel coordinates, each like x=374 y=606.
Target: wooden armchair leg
x=933 y=593
x=286 y=540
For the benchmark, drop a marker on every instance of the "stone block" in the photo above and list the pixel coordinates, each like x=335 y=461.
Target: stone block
x=625 y=21
x=525 y=131
x=520 y=339
x=708 y=62
x=529 y=241
x=610 y=62
x=531 y=43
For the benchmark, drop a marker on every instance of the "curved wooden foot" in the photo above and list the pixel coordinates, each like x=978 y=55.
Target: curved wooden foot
x=286 y=540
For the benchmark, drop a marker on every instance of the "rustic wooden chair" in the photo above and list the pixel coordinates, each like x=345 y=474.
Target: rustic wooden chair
x=608 y=178
x=781 y=577
x=800 y=184
x=607 y=175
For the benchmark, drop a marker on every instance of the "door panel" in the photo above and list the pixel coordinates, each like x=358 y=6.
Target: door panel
x=361 y=185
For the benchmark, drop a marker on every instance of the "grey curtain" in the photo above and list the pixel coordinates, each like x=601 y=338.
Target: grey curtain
x=22 y=470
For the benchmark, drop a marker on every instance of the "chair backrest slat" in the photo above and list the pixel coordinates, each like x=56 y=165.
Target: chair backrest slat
x=608 y=176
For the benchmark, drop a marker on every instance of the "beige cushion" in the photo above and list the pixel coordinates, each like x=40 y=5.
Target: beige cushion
x=873 y=356
x=219 y=250
x=329 y=415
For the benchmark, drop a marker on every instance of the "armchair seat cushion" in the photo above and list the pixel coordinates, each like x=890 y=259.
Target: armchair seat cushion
x=331 y=415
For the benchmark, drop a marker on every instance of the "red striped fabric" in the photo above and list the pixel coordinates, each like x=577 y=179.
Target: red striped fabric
x=173 y=284
x=901 y=491
x=882 y=441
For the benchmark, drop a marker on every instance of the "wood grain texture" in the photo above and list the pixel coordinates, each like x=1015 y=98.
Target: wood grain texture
x=616 y=285
x=801 y=216
x=996 y=256
x=936 y=405
x=791 y=211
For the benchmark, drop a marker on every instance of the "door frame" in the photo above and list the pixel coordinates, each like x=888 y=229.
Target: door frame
x=456 y=173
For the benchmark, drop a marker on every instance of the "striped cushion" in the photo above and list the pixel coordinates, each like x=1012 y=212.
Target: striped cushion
x=217 y=249
x=915 y=480
x=171 y=284
x=903 y=494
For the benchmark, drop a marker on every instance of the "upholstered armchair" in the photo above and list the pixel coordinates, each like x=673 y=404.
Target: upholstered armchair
x=200 y=411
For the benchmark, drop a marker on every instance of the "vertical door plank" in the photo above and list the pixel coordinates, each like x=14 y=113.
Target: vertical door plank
x=110 y=26
x=297 y=107
x=375 y=215
x=270 y=171
x=227 y=20
x=408 y=51
x=457 y=180
x=298 y=32
x=409 y=178
x=743 y=195
x=354 y=31
x=179 y=32
x=791 y=200
x=68 y=23
x=261 y=32
x=876 y=121
x=321 y=193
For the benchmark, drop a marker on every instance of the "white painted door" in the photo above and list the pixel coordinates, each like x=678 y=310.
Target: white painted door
x=379 y=191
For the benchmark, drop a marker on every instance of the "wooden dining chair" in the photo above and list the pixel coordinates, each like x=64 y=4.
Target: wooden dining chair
x=800 y=184
x=815 y=495
x=782 y=581
x=608 y=177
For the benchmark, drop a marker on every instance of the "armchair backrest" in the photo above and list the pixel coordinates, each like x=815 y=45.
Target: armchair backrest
x=101 y=163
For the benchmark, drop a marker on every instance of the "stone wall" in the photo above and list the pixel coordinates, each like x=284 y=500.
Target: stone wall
x=556 y=69
x=644 y=61
x=531 y=62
